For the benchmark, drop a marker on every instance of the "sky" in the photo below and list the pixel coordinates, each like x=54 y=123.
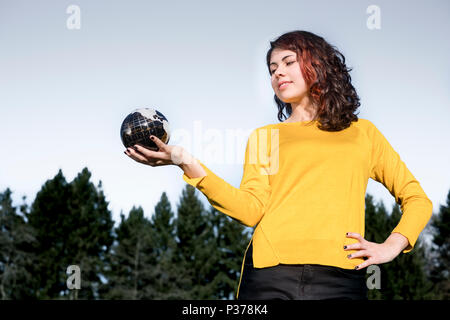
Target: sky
x=71 y=71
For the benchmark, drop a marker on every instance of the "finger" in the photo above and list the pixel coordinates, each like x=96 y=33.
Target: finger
x=152 y=157
x=158 y=142
x=149 y=154
x=354 y=246
x=365 y=264
x=136 y=155
x=355 y=235
x=158 y=163
x=358 y=254
x=127 y=152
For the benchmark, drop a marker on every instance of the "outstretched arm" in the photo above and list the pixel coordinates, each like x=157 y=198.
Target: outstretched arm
x=246 y=204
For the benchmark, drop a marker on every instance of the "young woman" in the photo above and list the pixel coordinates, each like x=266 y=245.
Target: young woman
x=304 y=182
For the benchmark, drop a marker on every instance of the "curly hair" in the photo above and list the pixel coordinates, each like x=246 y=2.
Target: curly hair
x=326 y=76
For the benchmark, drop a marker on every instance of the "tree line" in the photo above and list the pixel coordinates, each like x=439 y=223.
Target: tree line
x=193 y=253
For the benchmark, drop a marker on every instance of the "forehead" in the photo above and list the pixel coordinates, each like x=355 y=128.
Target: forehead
x=278 y=54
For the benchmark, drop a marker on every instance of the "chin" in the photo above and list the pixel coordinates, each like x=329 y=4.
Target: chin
x=292 y=97
x=289 y=99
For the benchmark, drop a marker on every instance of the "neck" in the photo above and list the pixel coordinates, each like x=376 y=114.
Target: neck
x=303 y=110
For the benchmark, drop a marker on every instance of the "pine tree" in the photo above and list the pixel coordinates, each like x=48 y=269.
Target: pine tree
x=376 y=221
x=195 y=247
x=210 y=250
x=166 y=273
x=90 y=233
x=376 y=230
x=440 y=252
x=49 y=217
x=16 y=254
x=231 y=240
x=73 y=227
x=131 y=259
x=403 y=278
x=406 y=273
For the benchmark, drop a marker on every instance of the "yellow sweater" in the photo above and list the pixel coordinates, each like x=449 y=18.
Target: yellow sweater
x=304 y=188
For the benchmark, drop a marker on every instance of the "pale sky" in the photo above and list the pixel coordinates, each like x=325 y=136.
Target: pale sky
x=64 y=92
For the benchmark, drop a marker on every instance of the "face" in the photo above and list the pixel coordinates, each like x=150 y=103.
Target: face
x=285 y=67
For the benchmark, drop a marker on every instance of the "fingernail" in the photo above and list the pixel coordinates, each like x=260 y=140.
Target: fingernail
x=349 y=256
x=356 y=268
x=346 y=234
x=345 y=247
x=152 y=137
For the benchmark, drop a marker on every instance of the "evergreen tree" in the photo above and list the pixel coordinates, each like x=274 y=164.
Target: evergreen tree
x=404 y=277
x=73 y=227
x=376 y=221
x=440 y=252
x=16 y=254
x=49 y=217
x=231 y=240
x=195 y=248
x=90 y=232
x=406 y=274
x=167 y=274
x=376 y=230
x=132 y=259
x=210 y=250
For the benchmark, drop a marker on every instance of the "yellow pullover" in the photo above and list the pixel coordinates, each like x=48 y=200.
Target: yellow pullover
x=304 y=188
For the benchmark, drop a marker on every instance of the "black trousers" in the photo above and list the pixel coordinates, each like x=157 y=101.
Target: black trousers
x=300 y=282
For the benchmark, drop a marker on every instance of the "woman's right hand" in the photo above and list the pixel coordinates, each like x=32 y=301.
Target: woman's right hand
x=166 y=155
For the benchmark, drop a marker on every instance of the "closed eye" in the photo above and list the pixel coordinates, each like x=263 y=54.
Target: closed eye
x=288 y=63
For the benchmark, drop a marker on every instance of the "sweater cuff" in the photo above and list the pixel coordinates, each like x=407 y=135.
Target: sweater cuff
x=411 y=240
x=413 y=223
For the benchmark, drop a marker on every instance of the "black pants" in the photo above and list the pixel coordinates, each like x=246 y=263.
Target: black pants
x=300 y=282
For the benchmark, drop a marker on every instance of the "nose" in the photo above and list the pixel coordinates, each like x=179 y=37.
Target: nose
x=278 y=76
x=279 y=72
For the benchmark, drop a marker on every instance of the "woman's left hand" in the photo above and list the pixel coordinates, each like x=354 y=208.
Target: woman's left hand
x=375 y=253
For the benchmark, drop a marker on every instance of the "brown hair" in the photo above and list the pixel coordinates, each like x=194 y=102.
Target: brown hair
x=326 y=76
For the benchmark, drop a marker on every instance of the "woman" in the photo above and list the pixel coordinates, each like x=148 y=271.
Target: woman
x=304 y=182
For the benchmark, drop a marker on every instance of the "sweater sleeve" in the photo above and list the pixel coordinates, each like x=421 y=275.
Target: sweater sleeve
x=248 y=202
x=388 y=169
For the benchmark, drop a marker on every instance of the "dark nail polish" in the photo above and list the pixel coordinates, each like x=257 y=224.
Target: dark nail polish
x=349 y=256
x=345 y=247
x=356 y=268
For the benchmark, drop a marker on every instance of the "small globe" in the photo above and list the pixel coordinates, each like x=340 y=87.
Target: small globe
x=140 y=124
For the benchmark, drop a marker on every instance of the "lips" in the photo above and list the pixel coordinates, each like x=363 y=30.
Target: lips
x=280 y=85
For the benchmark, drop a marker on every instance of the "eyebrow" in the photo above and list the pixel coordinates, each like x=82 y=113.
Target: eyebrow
x=281 y=59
